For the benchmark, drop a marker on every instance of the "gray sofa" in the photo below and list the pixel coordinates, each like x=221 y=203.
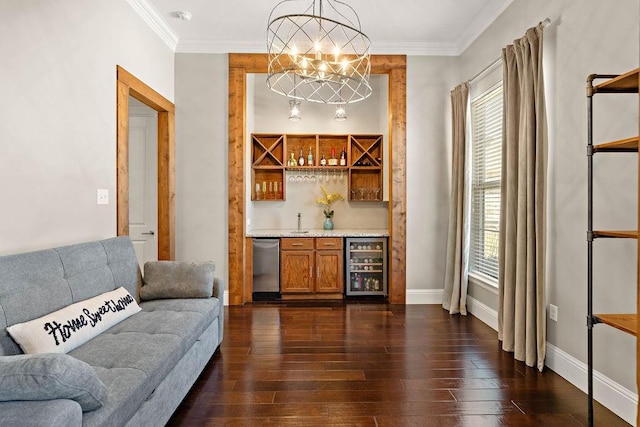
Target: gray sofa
x=148 y=362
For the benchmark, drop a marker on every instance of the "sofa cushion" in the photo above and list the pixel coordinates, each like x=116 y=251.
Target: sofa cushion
x=174 y=279
x=133 y=357
x=66 y=329
x=38 y=413
x=48 y=377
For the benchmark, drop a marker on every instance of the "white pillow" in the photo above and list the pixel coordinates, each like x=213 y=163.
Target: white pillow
x=72 y=326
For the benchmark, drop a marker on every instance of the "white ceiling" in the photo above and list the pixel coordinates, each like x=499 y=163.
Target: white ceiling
x=412 y=27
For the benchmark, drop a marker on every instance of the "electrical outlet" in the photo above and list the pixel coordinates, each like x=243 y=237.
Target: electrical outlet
x=553 y=312
x=103 y=196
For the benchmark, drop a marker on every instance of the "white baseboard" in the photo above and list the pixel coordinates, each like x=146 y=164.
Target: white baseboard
x=483 y=312
x=617 y=398
x=424 y=296
x=609 y=393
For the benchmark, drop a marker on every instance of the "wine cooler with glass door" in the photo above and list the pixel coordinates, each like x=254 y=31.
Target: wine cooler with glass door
x=366 y=269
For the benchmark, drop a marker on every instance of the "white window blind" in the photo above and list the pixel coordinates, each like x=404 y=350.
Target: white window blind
x=486 y=165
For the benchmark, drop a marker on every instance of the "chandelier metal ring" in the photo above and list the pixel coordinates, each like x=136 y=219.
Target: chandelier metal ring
x=318 y=58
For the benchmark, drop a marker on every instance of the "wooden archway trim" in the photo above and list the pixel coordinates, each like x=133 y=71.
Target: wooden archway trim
x=395 y=67
x=127 y=84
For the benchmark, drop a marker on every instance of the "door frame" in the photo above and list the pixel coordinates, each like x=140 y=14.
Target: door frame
x=395 y=66
x=129 y=85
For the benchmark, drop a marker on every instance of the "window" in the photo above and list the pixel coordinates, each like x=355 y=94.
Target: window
x=486 y=165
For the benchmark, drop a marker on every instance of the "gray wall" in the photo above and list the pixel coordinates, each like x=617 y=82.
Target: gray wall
x=201 y=159
x=585 y=37
x=58 y=114
x=429 y=81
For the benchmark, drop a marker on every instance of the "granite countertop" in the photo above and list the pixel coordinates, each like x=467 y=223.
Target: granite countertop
x=345 y=232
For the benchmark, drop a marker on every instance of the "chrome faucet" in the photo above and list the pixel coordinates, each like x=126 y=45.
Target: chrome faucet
x=299 y=221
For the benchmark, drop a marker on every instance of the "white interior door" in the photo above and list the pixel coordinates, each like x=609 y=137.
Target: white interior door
x=143 y=172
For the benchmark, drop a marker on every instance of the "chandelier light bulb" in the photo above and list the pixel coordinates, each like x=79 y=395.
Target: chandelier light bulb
x=341 y=113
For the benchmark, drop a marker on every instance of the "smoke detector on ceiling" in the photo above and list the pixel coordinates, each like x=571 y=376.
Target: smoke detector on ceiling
x=183 y=15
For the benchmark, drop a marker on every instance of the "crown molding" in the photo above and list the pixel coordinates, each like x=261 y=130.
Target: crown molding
x=153 y=19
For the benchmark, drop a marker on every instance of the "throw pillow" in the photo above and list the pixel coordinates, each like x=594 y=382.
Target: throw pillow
x=48 y=377
x=72 y=326
x=175 y=279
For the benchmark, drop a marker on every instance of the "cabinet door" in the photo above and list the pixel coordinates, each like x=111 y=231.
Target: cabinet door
x=329 y=271
x=296 y=271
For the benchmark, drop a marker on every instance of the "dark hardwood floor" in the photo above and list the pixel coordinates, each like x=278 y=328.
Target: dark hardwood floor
x=369 y=363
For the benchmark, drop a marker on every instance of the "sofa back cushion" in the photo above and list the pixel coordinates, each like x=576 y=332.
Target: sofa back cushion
x=37 y=283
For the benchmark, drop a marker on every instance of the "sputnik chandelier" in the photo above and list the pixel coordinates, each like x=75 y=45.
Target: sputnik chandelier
x=318 y=53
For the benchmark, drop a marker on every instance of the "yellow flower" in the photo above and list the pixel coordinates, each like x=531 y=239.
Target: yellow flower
x=327 y=200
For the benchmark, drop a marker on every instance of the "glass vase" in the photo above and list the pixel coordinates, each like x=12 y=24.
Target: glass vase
x=328 y=223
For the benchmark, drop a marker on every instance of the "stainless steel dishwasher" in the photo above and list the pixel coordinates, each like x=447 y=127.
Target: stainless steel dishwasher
x=266 y=268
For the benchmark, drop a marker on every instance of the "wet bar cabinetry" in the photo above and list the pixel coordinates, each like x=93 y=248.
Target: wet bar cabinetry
x=274 y=154
x=311 y=266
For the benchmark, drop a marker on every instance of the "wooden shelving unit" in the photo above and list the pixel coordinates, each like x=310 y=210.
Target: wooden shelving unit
x=267 y=167
x=626 y=322
x=365 y=168
x=270 y=154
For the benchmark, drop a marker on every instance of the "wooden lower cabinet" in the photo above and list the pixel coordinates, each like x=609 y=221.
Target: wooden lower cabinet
x=311 y=267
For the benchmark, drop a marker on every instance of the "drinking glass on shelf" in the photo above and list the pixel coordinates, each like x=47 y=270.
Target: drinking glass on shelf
x=361 y=190
x=353 y=195
x=376 y=191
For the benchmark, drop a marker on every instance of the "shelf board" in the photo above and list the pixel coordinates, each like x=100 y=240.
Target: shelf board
x=625 y=322
x=624 y=83
x=267 y=167
x=617 y=234
x=629 y=145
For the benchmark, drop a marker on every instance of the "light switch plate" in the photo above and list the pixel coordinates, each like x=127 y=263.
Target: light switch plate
x=103 y=196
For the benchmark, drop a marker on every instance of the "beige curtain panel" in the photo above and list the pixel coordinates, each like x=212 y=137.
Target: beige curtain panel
x=521 y=297
x=455 y=283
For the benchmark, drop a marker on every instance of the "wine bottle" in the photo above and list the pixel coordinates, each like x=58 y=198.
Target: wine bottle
x=310 y=158
x=333 y=161
x=323 y=161
x=343 y=157
x=301 y=159
x=292 y=160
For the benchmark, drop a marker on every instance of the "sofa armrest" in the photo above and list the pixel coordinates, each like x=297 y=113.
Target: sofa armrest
x=37 y=413
x=218 y=292
x=176 y=279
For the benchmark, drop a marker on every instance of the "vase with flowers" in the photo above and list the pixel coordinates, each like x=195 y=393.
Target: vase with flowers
x=326 y=201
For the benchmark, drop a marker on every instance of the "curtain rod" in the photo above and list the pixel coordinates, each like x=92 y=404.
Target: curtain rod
x=544 y=24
